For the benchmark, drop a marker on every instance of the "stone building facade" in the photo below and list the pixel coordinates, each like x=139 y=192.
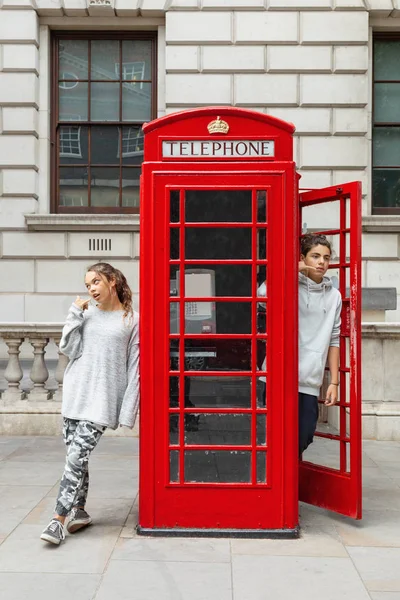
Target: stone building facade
x=310 y=62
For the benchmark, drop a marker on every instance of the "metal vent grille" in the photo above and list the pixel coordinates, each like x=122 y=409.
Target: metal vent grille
x=99 y=244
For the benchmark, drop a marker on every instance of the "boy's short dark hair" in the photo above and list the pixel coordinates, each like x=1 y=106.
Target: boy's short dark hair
x=310 y=240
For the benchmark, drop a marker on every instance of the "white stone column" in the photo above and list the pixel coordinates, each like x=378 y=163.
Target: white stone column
x=60 y=370
x=13 y=373
x=39 y=373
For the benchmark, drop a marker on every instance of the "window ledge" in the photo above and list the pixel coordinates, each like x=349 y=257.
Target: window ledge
x=47 y=222
x=384 y=223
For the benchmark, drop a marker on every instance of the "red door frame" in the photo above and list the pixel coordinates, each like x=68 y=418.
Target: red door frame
x=339 y=490
x=152 y=517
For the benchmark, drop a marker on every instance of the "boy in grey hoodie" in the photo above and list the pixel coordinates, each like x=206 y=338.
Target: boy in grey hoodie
x=320 y=306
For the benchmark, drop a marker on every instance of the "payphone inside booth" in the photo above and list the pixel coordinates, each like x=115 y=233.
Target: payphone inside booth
x=220 y=219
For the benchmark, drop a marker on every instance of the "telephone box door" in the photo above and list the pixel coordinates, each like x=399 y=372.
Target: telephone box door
x=220 y=456
x=330 y=470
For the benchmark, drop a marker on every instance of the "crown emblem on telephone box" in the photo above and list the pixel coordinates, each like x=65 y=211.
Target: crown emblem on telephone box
x=218 y=126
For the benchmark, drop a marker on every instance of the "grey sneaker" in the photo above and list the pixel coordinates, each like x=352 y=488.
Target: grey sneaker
x=78 y=519
x=54 y=532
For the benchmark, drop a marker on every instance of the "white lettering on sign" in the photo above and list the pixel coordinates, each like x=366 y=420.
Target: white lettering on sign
x=218 y=149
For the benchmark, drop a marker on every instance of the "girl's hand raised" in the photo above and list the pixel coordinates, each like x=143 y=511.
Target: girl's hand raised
x=80 y=303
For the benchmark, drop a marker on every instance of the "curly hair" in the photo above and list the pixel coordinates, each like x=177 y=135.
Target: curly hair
x=310 y=240
x=122 y=288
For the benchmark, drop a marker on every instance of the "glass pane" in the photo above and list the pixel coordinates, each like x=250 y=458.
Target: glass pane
x=174 y=206
x=218 y=466
x=218 y=206
x=386 y=146
x=136 y=101
x=174 y=429
x=261 y=438
x=104 y=186
x=217 y=317
x=174 y=242
x=132 y=145
x=104 y=145
x=262 y=206
x=218 y=429
x=174 y=465
x=73 y=186
x=104 y=102
x=136 y=59
x=131 y=187
x=105 y=59
x=73 y=59
x=386 y=59
x=174 y=355
x=261 y=467
x=261 y=391
x=218 y=243
x=73 y=144
x=219 y=280
x=217 y=392
x=73 y=103
x=387 y=102
x=174 y=391
x=261 y=244
x=386 y=187
x=323 y=451
x=219 y=355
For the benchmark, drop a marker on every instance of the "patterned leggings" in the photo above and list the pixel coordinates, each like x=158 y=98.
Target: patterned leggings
x=80 y=437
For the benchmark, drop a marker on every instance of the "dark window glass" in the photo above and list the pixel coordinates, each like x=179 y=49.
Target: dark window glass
x=103 y=91
x=386 y=126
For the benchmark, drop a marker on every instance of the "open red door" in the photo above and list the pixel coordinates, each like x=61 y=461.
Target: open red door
x=330 y=470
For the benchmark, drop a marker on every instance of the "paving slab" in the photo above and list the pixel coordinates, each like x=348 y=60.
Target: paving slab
x=302 y=578
x=166 y=581
x=377 y=528
x=86 y=551
x=378 y=567
x=385 y=595
x=374 y=477
x=20 y=586
x=173 y=549
x=21 y=473
x=381 y=499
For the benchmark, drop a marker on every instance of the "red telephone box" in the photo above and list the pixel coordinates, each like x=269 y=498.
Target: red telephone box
x=218 y=292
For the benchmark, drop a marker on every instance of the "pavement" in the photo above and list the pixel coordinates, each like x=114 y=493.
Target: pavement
x=335 y=557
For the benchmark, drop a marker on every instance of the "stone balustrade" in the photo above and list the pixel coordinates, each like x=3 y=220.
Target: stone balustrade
x=31 y=388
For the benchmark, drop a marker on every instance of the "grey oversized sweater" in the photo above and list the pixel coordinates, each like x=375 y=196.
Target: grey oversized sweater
x=101 y=381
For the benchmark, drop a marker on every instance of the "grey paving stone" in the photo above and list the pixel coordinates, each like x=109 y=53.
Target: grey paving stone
x=374 y=477
x=19 y=473
x=377 y=528
x=21 y=586
x=21 y=496
x=382 y=451
x=385 y=595
x=127 y=446
x=154 y=580
x=87 y=551
x=128 y=464
x=378 y=567
x=173 y=549
x=113 y=484
x=285 y=577
x=381 y=499
x=310 y=544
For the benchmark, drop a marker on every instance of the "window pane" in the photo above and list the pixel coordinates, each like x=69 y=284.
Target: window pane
x=104 y=102
x=220 y=280
x=219 y=466
x=219 y=429
x=386 y=59
x=136 y=101
x=387 y=103
x=386 y=146
x=73 y=186
x=218 y=355
x=73 y=144
x=386 y=187
x=218 y=243
x=217 y=317
x=73 y=103
x=104 y=145
x=136 y=59
x=132 y=145
x=104 y=189
x=73 y=59
x=212 y=391
x=218 y=205
x=130 y=187
x=105 y=59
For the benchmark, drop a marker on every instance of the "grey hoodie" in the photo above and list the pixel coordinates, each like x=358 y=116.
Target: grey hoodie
x=320 y=306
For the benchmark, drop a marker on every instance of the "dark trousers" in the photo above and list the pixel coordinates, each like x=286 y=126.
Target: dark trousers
x=308 y=417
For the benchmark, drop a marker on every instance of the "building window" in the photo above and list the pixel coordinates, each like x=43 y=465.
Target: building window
x=103 y=91
x=386 y=126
